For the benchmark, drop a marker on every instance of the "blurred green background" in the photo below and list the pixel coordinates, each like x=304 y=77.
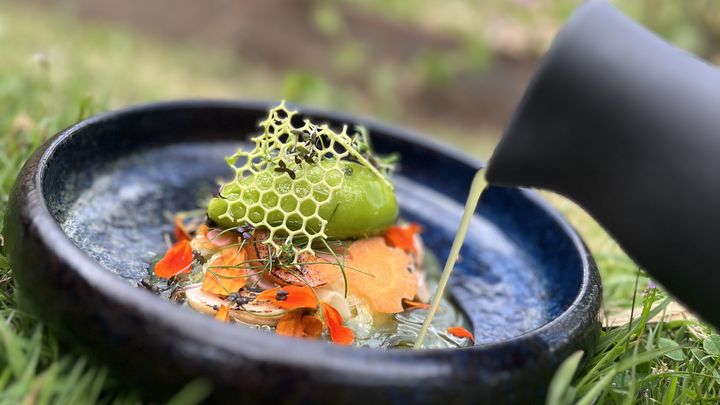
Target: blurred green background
x=453 y=70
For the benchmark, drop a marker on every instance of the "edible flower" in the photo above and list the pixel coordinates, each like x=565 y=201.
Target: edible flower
x=177 y=259
x=293 y=297
x=409 y=304
x=225 y=273
x=297 y=324
x=461 y=332
x=403 y=237
x=339 y=334
x=290 y=297
x=181 y=232
x=223 y=314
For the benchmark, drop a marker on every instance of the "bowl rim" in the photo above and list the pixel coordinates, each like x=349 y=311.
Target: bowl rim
x=208 y=330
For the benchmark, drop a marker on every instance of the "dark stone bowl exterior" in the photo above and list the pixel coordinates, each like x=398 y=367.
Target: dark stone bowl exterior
x=71 y=273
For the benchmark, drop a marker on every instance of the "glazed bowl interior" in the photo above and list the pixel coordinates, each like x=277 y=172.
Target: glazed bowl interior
x=114 y=194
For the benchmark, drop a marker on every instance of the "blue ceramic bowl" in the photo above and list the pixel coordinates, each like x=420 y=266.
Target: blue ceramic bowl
x=89 y=208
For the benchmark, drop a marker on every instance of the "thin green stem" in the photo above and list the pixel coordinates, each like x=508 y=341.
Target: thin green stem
x=341 y=265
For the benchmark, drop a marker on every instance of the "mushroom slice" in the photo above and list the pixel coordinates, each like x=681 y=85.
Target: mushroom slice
x=263 y=313
x=208 y=241
x=312 y=270
x=258 y=248
x=203 y=302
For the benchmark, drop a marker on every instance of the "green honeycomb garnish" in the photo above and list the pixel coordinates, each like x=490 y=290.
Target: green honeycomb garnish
x=289 y=178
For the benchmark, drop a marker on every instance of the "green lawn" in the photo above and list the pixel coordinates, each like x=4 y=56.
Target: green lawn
x=48 y=81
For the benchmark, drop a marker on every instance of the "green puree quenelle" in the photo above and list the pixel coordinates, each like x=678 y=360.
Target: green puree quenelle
x=362 y=206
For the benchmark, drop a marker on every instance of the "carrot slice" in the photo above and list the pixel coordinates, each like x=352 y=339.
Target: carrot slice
x=226 y=271
x=176 y=260
x=223 y=314
x=297 y=324
x=339 y=334
x=378 y=273
x=461 y=332
x=290 y=297
x=403 y=237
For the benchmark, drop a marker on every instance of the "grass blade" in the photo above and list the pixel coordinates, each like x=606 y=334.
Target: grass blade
x=560 y=390
x=193 y=393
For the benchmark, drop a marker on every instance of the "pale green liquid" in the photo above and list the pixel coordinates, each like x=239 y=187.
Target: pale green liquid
x=476 y=190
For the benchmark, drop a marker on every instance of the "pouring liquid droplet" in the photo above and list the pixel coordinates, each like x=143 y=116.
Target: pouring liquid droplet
x=476 y=189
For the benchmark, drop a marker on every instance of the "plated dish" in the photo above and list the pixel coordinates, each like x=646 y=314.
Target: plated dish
x=91 y=206
x=305 y=241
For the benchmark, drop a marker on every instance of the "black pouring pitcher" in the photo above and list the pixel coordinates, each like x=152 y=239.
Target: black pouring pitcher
x=627 y=126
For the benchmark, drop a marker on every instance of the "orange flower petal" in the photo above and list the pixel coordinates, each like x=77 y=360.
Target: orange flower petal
x=181 y=232
x=298 y=325
x=339 y=334
x=415 y=304
x=223 y=314
x=403 y=237
x=176 y=260
x=296 y=297
x=461 y=332
x=220 y=277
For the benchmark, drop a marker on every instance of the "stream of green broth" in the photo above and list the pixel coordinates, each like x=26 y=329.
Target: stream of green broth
x=478 y=184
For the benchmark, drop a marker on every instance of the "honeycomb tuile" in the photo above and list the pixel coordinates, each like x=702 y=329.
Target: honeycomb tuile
x=278 y=143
